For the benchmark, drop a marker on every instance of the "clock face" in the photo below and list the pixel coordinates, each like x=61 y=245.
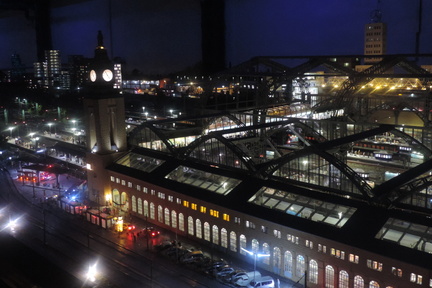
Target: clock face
x=92 y=75
x=107 y=75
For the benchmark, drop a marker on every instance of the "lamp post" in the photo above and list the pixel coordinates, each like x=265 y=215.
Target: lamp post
x=10 y=129
x=49 y=125
x=256 y=255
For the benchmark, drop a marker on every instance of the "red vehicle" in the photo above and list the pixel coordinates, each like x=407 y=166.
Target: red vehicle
x=151 y=232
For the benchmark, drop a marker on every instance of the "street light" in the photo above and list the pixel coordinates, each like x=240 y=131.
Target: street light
x=10 y=129
x=256 y=255
x=50 y=124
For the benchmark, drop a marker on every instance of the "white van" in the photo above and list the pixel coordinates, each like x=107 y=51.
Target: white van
x=263 y=282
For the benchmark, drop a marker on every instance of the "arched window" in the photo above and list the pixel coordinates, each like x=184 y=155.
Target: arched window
x=198 y=228
x=343 y=279
x=277 y=260
x=358 y=282
x=140 y=206
x=124 y=201
x=167 y=217
x=134 y=204
x=146 y=208
x=173 y=219
x=373 y=284
x=160 y=213
x=190 y=225
x=224 y=238
x=255 y=246
x=329 y=277
x=266 y=250
x=181 y=222
x=215 y=231
x=242 y=244
x=300 y=266
x=288 y=264
x=206 y=231
x=313 y=272
x=116 y=197
x=152 y=210
x=233 y=241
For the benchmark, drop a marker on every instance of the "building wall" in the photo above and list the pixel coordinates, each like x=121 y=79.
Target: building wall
x=323 y=259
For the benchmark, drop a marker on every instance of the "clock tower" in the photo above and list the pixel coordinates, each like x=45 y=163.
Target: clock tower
x=105 y=122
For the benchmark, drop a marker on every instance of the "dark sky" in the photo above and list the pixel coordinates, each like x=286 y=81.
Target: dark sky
x=159 y=36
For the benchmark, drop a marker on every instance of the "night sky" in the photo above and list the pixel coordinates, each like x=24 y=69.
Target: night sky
x=161 y=36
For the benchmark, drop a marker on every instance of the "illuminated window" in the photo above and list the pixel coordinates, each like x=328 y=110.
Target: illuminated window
x=130 y=184
x=313 y=272
x=375 y=265
x=153 y=192
x=226 y=217
x=214 y=213
x=123 y=182
x=186 y=203
x=343 y=279
x=203 y=209
x=138 y=187
x=145 y=190
x=354 y=258
x=194 y=206
x=171 y=198
x=277 y=233
x=198 y=228
x=329 y=276
x=179 y=201
x=419 y=279
x=112 y=178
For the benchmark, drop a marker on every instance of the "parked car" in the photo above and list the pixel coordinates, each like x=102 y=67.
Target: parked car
x=192 y=257
x=243 y=278
x=164 y=245
x=225 y=271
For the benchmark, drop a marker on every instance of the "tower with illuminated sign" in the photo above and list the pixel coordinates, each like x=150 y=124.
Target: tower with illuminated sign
x=105 y=121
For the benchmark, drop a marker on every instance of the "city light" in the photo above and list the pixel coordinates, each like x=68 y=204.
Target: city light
x=256 y=255
x=92 y=273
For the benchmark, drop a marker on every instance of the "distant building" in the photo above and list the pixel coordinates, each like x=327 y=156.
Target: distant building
x=375 y=37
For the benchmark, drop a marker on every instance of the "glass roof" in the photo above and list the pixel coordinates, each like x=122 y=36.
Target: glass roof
x=304 y=207
x=407 y=234
x=140 y=162
x=205 y=180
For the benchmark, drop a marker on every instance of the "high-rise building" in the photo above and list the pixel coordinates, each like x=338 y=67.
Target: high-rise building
x=375 y=37
x=53 y=68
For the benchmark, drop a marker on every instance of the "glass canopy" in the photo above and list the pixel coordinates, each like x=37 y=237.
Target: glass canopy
x=205 y=180
x=140 y=162
x=304 y=207
x=407 y=234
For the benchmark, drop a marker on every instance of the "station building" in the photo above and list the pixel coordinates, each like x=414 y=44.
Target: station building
x=332 y=203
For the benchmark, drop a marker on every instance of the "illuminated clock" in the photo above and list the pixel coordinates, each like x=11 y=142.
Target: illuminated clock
x=107 y=75
x=93 y=75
